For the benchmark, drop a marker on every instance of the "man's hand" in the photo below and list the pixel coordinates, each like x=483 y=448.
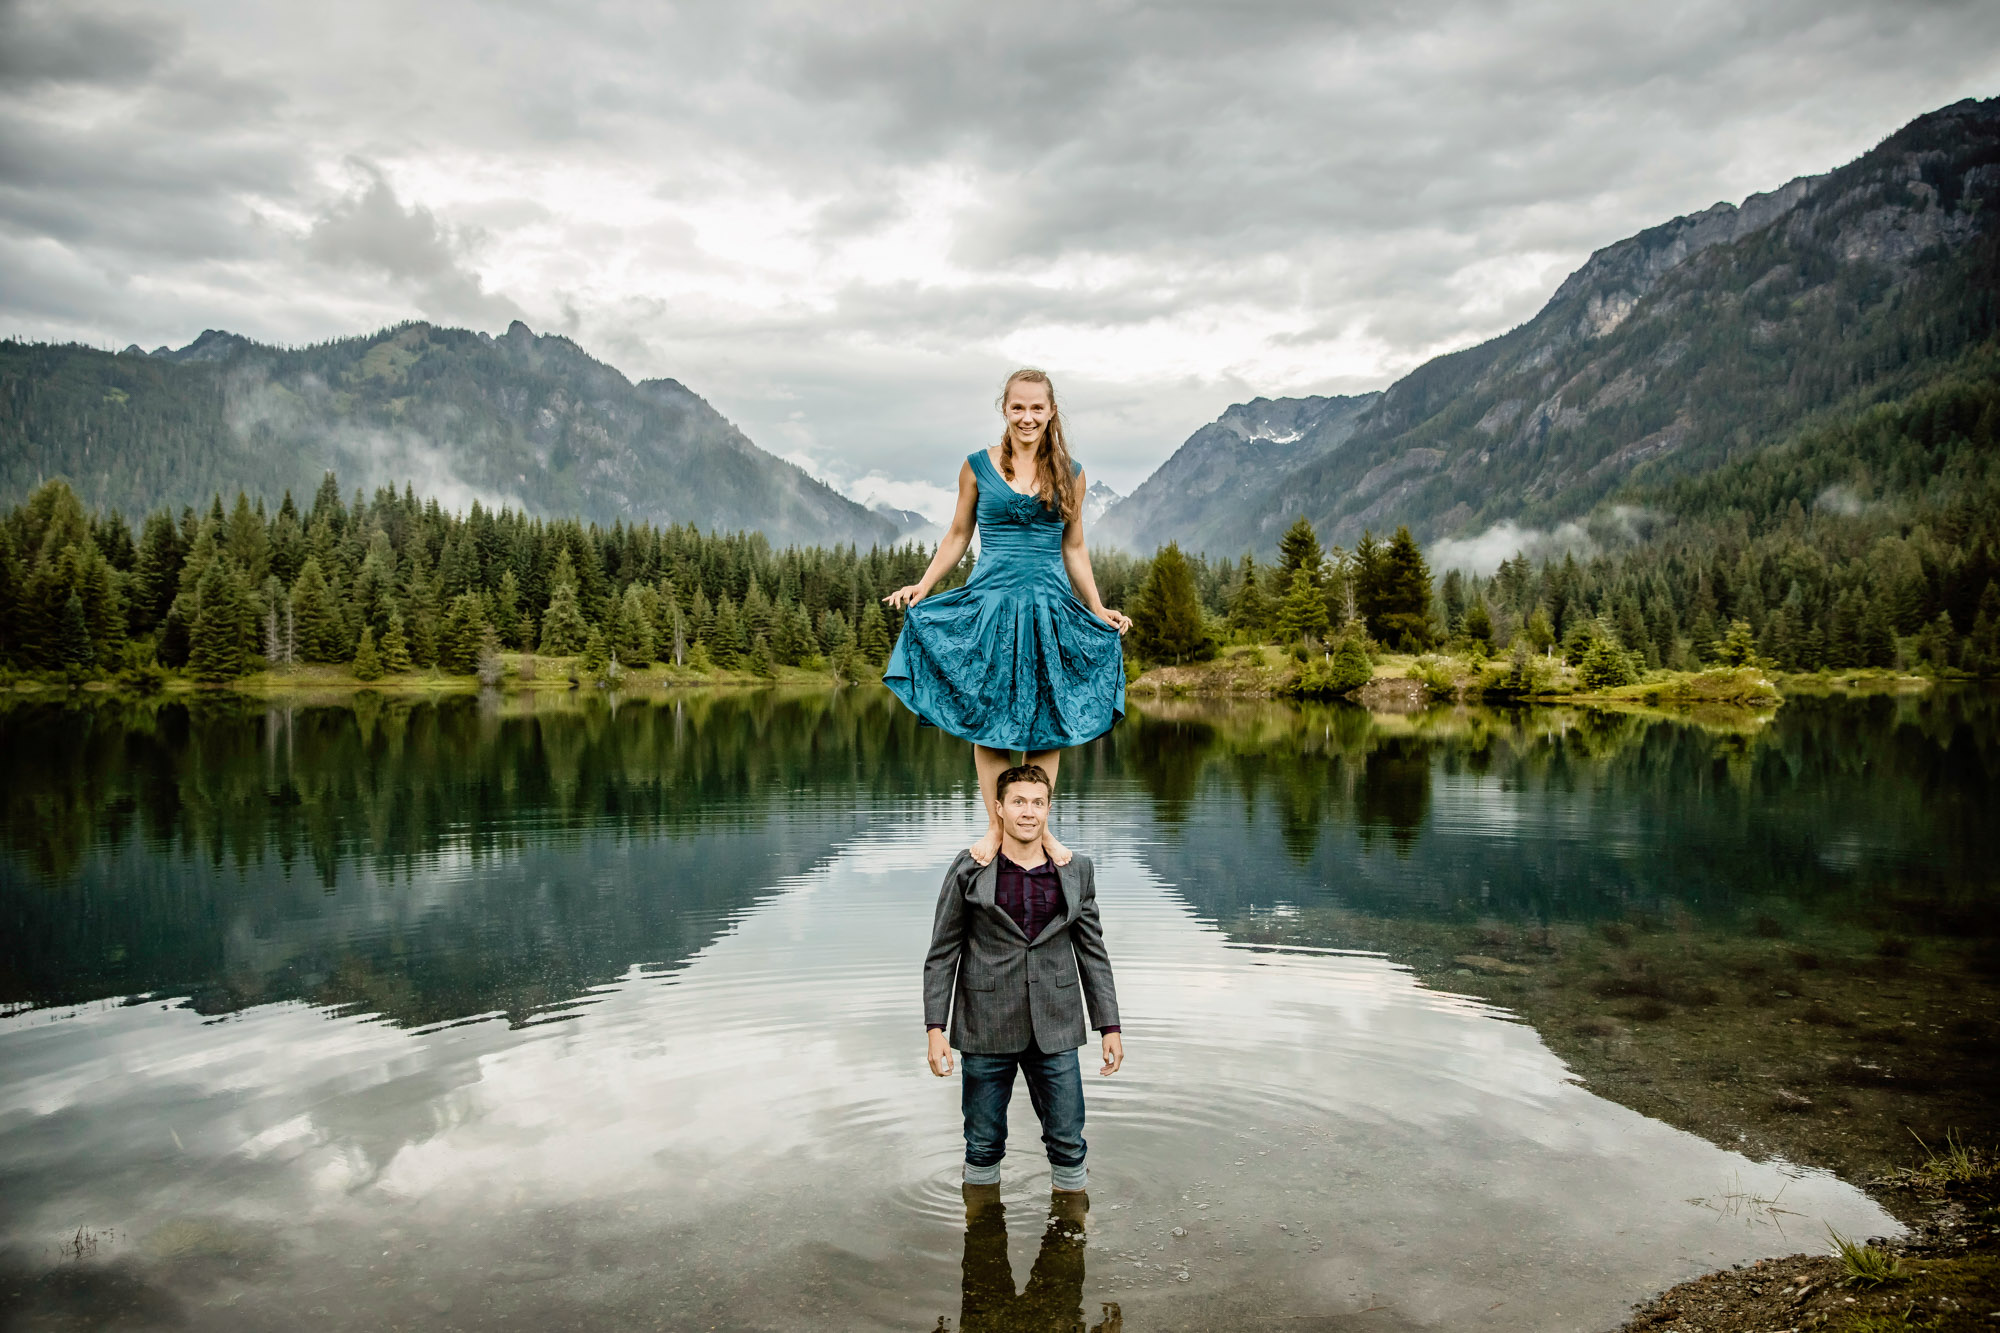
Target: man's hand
x=940 y=1053
x=1114 y=1053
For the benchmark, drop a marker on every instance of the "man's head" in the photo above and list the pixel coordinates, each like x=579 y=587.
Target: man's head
x=1023 y=793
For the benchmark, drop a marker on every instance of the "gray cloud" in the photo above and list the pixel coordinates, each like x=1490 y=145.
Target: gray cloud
x=370 y=229
x=43 y=45
x=842 y=224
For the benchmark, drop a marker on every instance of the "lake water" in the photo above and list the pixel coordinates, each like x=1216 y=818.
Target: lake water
x=551 y=1012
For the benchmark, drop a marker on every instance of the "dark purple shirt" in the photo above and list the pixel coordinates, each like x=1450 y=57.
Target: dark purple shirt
x=1033 y=897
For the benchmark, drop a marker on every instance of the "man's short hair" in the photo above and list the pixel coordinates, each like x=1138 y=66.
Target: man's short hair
x=1021 y=773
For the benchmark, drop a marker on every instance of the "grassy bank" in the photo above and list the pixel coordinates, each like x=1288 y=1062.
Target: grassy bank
x=1268 y=671
x=520 y=672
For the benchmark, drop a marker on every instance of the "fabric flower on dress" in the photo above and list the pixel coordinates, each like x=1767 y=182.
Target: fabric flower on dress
x=1023 y=508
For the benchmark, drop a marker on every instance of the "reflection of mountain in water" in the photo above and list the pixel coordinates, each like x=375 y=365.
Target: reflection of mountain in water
x=1561 y=813
x=427 y=860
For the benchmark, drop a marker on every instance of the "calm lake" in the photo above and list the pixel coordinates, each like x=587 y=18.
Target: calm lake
x=552 y=1012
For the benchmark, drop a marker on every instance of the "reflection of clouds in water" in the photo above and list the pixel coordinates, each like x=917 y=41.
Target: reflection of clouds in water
x=769 y=1096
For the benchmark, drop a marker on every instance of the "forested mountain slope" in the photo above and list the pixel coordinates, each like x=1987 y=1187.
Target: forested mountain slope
x=1667 y=355
x=1235 y=465
x=519 y=420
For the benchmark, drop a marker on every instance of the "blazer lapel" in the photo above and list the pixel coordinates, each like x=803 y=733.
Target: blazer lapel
x=1066 y=877
x=985 y=883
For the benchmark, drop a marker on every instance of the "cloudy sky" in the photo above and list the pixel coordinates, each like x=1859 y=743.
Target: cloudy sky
x=842 y=223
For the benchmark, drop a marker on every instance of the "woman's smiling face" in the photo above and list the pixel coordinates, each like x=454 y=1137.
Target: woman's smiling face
x=1027 y=409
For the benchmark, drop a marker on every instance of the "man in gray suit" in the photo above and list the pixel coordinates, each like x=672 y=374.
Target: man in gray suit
x=1010 y=942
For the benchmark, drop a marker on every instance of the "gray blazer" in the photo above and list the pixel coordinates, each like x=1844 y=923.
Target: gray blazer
x=997 y=987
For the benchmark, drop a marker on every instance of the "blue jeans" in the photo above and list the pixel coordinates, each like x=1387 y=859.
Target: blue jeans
x=1055 y=1087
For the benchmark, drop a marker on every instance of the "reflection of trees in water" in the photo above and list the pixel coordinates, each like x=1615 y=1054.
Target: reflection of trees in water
x=1559 y=812
x=1172 y=755
x=234 y=781
x=1395 y=792
x=1052 y=1300
x=423 y=859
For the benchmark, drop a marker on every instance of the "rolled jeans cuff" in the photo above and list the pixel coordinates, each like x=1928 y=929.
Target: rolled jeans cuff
x=1065 y=1177
x=983 y=1175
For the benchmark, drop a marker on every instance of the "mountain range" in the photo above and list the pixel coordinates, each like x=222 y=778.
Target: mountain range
x=522 y=419
x=1703 y=340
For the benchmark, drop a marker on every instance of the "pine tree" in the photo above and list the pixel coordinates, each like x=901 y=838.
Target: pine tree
x=760 y=662
x=725 y=641
x=215 y=640
x=1981 y=653
x=596 y=655
x=1303 y=612
x=1479 y=624
x=636 y=637
x=1878 y=636
x=1299 y=549
x=1351 y=668
x=320 y=636
x=156 y=573
x=423 y=613
x=249 y=543
x=1737 y=647
x=367 y=662
x=1539 y=631
x=459 y=638
x=396 y=647
x=73 y=650
x=1249 y=611
x=1168 y=626
x=835 y=634
x=288 y=543
x=873 y=639
x=507 y=610
x=788 y=644
x=1401 y=594
x=564 y=629
x=755 y=613
x=1605 y=665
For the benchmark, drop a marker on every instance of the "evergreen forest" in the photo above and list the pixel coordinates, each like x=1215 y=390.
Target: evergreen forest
x=1870 y=543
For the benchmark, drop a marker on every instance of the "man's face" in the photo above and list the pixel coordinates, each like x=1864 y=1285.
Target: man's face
x=1025 y=808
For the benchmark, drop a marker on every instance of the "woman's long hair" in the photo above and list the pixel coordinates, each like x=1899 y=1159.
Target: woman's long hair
x=1055 y=473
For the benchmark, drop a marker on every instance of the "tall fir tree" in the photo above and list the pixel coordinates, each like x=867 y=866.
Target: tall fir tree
x=1299 y=549
x=216 y=649
x=1169 y=626
x=564 y=630
x=321 y=636
x=458 y=639
x=367 y=661
x=396 y=646
x=872 y=640
x=1303 y=613
x=1249 y=609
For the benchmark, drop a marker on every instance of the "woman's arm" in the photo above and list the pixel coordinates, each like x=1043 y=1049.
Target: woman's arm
x=951 y=549
x=1076 y=559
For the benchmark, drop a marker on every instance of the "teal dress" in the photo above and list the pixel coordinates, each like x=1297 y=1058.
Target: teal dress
x=1012 y=659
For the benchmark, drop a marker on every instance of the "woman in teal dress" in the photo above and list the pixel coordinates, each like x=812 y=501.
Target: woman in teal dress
x=1026 y=656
